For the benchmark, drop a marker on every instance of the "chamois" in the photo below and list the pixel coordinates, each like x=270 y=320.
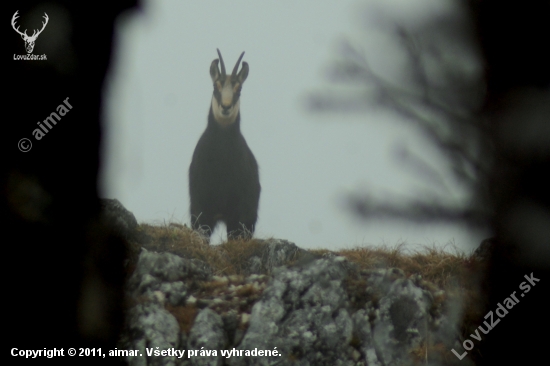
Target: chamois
x=224 y=183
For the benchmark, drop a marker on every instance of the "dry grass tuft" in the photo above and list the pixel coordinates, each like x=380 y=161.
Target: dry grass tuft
x=423 y=353
x=236 y=254
x=185 y=315
x=434 y=264
x=225 y=259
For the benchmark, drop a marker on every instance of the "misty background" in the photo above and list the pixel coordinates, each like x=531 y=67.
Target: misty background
x=159 y=92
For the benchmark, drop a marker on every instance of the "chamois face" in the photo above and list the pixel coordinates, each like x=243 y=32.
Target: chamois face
x=227 y=90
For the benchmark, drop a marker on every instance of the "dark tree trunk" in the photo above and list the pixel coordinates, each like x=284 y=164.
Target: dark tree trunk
x=63 y=269
x=514 y=39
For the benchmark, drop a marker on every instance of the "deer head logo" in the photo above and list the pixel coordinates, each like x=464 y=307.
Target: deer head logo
x=29 y=41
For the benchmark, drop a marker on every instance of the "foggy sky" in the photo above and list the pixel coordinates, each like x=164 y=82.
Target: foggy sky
x=159 y=93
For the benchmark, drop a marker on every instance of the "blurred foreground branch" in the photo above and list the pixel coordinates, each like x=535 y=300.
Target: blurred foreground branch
x=442 y=97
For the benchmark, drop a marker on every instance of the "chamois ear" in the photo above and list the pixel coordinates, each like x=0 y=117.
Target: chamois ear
x=243 y=74
x=214 y=70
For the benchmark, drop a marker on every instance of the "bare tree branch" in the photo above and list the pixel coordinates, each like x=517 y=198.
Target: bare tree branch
x=445 y=111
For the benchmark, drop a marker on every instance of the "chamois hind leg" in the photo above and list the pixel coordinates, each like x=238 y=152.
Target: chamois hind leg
x=238 y=230
x=204 y=224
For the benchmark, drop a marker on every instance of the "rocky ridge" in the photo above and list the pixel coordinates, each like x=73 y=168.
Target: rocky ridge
x=288 y=307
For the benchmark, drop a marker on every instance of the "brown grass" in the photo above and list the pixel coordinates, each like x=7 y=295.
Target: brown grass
x=185 y=315
x=433 y=264
x=437 y=351
x=452 y=271
x=226 y=259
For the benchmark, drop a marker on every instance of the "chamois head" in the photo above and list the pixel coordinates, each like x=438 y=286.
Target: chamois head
x=227 y=90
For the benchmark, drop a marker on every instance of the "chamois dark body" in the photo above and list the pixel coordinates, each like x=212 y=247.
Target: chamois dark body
x=224 y=183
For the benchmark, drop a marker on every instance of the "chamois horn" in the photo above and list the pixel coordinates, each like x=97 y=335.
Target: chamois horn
x=234 y=73
x=221 y=60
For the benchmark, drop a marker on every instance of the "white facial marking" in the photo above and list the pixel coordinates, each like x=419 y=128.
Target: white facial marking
x=224 y=119
x=227 y=94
